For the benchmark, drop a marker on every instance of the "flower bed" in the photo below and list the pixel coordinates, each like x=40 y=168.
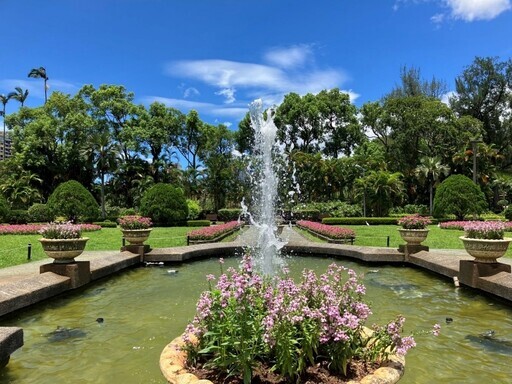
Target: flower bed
x=33 y=229
x=459 y=225
x=213 y=233
x=246 y=320
x=328 y=231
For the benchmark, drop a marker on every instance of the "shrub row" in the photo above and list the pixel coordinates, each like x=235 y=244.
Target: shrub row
x=211 y=233
x=106 y=224
x=198 y=223
x=229 y=214
x=360 y=220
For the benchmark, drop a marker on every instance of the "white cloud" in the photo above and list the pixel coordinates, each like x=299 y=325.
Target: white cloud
x=190 y=92
x=470 y=10
x=447 y=96
x=228 y=93
x=289 y=57
x=203 y=108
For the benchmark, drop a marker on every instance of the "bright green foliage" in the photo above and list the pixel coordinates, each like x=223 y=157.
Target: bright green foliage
x=74 y=202
x=194 y=209
x=4 y=209
x=40 y=213
x=459 y=196
x=165 y=204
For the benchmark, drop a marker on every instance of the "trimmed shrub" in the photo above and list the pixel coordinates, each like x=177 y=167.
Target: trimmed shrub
x=106 y=224
x=18 y=216
x=198 y=223
x=508 y=213
x=360 y=220
x=4 y=210
x=458 y=195
x=194 y=209
x=333 y=208
x=127 y=212
x=306 y=214
x=165 y=205
x=229 y=214
x=40 y=213
x=73 y=201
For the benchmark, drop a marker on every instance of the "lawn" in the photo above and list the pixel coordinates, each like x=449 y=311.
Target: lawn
x=13 y=248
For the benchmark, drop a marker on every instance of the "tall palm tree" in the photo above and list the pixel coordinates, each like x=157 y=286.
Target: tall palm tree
x=431 y=169
x=20 y=95
x=40 y=73
x=4 y=100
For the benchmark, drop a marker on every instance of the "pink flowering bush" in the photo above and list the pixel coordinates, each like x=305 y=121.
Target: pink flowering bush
x=134 y=222
x=245 y=319
x=488 y=230
x=461 y=224
x=210 y=233
x=329 y=231
x=33 y=229
x=61 y=231
x=414 y=222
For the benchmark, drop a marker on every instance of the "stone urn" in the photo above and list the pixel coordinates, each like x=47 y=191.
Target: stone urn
x=136 y=236
x=485 y=251
x=413 y=236
x=63 y=251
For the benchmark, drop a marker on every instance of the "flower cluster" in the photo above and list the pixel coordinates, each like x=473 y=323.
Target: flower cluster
x=246 y=318
x=461 y=224
x=414 y=222
x=489 y=230
x=329 y=231
x=210 y=233
x=134 y=222
x=61 y=231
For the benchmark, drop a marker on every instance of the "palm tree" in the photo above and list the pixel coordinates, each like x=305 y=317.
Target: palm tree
x=4 y=99
x=40 y=73
x=20 y=95
x=431 y=169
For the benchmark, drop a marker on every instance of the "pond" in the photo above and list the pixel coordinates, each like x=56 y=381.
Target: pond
x=115 y=330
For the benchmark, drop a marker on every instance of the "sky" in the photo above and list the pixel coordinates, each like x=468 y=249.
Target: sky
x=216 y=56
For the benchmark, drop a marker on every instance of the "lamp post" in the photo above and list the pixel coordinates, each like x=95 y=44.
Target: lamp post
x=474 y=148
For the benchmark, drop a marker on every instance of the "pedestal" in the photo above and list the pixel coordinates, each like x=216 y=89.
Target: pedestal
x=470 y=271
x=79 y=272
x=137 y=249
x=409 y=249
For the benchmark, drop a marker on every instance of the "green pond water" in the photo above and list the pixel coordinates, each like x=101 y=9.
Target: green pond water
x=143 y=309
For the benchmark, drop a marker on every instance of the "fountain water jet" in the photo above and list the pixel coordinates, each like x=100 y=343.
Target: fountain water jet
x=268 y=244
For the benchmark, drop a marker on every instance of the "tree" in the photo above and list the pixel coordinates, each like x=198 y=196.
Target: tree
x=20 y=95
x=431 y=169
x=459 y=196
x=382 y=190
x=73 y=201
x=484 y=91
x=4 y=100
x=413 y=85
x=40 y=73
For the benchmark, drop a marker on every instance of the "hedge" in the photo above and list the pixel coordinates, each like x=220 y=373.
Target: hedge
x=106 y=224
x=360 y=220
x=198 y=223
x=229 y=214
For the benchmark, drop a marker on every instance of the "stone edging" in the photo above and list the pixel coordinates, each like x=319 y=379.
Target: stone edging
x=173 y=361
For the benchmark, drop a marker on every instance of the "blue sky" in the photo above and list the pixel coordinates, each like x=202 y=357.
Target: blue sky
x=216 y=56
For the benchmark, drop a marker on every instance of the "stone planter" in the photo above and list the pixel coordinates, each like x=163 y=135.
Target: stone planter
x=413 y=236
x=173 y=361
x=485 y=251
x=136 y=236
x=63 y=251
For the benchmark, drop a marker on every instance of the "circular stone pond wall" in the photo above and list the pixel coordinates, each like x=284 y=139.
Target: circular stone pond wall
x=114 y=331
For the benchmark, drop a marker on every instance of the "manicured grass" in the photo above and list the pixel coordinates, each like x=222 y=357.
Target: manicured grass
x=13 y=248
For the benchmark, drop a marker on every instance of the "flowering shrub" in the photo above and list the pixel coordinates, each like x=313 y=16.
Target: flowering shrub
x=327 y=230
x=246 y=319
x=61 y=231
x=414 y=222
x=33 y=229
x=489 y=230
x=460 y=225
x=210 y=233
x=135 y=222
